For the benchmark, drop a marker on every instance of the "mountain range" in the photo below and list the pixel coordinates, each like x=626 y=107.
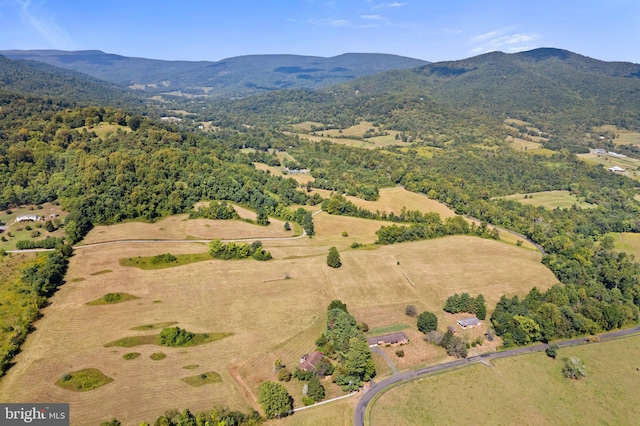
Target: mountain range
x=233 y=77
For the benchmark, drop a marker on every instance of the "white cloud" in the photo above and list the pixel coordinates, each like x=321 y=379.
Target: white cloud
x=44 y=23
x=504 y=40
x=389 y=5
x=372 y=17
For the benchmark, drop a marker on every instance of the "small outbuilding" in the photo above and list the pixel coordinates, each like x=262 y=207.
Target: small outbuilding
x=469 y=322
x=399 y=338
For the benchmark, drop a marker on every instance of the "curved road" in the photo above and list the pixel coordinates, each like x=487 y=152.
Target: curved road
x=377 y=388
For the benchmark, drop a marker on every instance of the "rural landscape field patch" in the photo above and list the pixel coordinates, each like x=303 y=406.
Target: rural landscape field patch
x=271 y=316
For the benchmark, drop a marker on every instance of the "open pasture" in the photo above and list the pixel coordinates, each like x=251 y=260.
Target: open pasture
x=523 y=145
x=270 y=317
x=524 y=390
x=551 y=200
x=394 y=199
x=102 y=129
x=180 y=227
x=302 y=179
x=627 y=242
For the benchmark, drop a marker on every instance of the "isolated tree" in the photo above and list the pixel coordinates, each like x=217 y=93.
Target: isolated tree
x=573 y=368
x=274 y=400
x=287 y=227
x=333 y=258
x=552 y=350
x=411 y=311
x=427 y=321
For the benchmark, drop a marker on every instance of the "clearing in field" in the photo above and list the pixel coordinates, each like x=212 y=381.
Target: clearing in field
x=551 y=200
x=627 y=242
x=524 y=390
x=275 y=310
x=102 y=129
x=394 y=199
x=523 y=145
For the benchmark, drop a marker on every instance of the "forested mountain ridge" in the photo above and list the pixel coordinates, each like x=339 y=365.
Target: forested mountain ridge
x=42 y=80
x=554 y=88
x=232 y=77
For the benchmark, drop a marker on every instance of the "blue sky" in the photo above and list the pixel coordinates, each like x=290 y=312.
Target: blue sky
x=424 y=29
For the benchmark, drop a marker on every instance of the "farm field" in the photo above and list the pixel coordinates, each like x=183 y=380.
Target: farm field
x=103 y=128
x=270 y=317
x=551 y=200
x=393 y=199
x=524 y=390
x=631 y=165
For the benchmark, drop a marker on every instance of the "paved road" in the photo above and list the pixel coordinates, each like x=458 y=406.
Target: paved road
x=379 y=387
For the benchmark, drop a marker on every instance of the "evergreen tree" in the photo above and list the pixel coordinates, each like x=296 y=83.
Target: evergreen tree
x=315 y=389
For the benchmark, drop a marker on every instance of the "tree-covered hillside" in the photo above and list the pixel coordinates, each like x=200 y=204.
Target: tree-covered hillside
x=35 y=78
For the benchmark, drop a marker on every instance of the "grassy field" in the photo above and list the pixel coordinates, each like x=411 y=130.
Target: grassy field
x=393 y=199
x=523 y=145
x=270 y=317
x=627 y=242
x=551 y=200
x=524 y=390
x=102 y=129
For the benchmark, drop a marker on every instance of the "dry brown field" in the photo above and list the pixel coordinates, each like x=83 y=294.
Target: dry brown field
x=180 y=227
x=271 y=317
x=394 y=199
x=302 y=179
x=523 y=145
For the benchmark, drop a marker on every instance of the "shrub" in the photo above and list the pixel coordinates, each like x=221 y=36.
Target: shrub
x=552 y=350
x=345 y=234
x=573 y=368
x=400 y=353
x=175 y=336
x=163 y=258
x=284 y=375
x=307 y=401
x=411 y=311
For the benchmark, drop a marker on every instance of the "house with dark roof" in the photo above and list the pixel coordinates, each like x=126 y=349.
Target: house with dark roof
x=469 y=322
x=399 y=338
x=309 y=362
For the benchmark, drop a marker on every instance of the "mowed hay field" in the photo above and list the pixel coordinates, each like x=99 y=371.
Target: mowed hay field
x=551 y=200
x=524 y=390
x=271 y=317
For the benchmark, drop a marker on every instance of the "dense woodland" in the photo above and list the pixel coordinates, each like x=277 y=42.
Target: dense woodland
x=147 y=169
